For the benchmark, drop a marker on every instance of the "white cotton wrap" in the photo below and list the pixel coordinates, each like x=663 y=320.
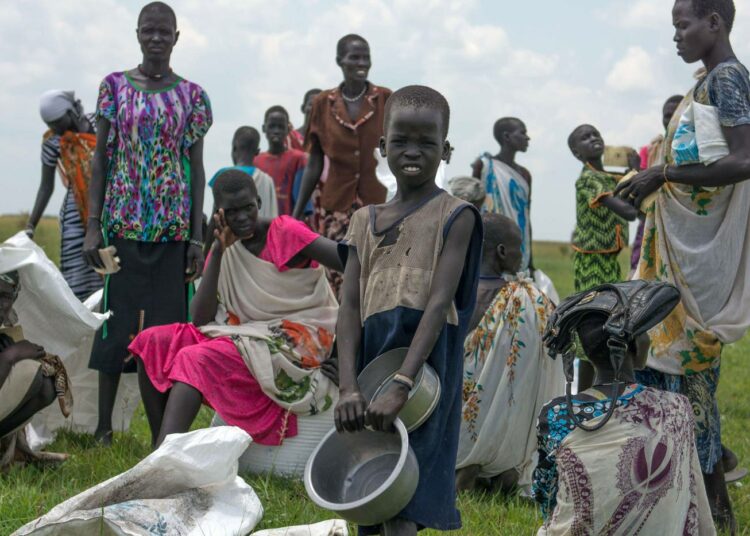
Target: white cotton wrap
x=56 y=103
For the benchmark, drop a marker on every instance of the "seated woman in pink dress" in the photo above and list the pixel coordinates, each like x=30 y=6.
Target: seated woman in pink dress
x=263 y=322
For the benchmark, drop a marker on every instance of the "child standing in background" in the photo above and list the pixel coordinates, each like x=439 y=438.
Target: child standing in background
x=284 y=165
x=601 y=223
x=245 y=148
x=410 y=280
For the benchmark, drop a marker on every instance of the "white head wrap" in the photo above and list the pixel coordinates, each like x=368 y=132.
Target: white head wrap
x=467 y=188
x=56 y=103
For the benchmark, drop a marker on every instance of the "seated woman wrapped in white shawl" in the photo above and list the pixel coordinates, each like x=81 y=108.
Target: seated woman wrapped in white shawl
x=507 y=374
x=263 y=322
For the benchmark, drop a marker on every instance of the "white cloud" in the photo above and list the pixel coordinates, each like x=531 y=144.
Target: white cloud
x=649 y=14
x=634 y=71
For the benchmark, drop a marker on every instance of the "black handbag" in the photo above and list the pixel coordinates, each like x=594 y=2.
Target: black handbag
x=631 y=308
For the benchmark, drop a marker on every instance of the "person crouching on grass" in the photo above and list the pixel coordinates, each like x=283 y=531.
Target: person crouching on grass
x=264 y=304
x=507 y=374
x=619 y=457
x=410 y=280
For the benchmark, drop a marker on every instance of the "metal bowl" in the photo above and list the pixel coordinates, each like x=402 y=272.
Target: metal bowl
x=423 y=398
x=365 y=477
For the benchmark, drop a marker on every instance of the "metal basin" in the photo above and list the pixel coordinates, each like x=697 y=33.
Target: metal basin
x=423 y=399
x=365 y=477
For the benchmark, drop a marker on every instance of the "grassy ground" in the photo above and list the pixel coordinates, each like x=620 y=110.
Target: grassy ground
x=30 y=492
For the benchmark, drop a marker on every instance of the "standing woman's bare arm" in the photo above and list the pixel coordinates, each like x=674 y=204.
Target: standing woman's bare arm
x=195 y=259
x=46 y=187
x=94 y=239
x=310 y=178
x=476 y=168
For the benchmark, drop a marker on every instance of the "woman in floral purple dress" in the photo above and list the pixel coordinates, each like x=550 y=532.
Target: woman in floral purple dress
x=146 y=198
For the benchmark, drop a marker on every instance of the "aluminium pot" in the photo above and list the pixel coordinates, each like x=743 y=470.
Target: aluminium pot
x=365 y=477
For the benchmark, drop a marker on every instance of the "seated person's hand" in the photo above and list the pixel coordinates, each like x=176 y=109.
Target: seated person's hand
x=385 y=408
x=330 y=369
x=349 y=414
x=222 y=232
x=23 y=350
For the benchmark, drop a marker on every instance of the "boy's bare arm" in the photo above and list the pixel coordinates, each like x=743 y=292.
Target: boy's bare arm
x=384 y=409
x=350 y=411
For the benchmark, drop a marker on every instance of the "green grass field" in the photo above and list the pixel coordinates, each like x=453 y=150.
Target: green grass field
x=30 y=492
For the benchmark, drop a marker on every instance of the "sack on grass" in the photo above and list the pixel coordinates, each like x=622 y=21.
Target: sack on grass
x=188 y=487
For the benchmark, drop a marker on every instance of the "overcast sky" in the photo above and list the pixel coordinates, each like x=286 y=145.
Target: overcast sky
x=555 y=64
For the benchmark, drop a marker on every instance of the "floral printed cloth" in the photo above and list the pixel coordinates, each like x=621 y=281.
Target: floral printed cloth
x=148 y=194
x=508 y=377
x=639 y=474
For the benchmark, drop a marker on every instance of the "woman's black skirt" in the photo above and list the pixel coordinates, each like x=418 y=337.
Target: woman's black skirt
x=149 y=290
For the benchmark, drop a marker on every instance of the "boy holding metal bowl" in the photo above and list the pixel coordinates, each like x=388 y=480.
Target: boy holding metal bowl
x=410 y=281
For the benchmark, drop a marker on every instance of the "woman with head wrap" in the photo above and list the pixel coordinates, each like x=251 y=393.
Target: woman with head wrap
x=469 y=189
x=68 y=145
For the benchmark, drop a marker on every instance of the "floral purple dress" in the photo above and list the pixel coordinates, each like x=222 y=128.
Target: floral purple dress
x=147 y=207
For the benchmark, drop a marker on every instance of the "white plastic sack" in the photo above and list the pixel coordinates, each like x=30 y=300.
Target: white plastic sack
x=188 y=487
x=47 y=309
x=54 y=318
x=388 y=179
x=699 y=138
x=334 y=527
x=545 y=284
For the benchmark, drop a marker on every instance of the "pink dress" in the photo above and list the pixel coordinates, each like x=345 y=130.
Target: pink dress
x=181 y=353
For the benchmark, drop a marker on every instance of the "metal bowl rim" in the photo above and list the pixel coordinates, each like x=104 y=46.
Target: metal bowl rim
x=343 y=507
x=430 y=410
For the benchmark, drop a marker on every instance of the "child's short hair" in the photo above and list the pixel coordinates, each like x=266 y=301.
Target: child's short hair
x=274 y=110
x=313 y=91
x=232 y=181
x=572 y=136
x=503 y=125
x=725 y=9
x=419 y=97
x=246 y=139
x=346 y=41
x=499 y=229
x=674 y=99
x=469 y=189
